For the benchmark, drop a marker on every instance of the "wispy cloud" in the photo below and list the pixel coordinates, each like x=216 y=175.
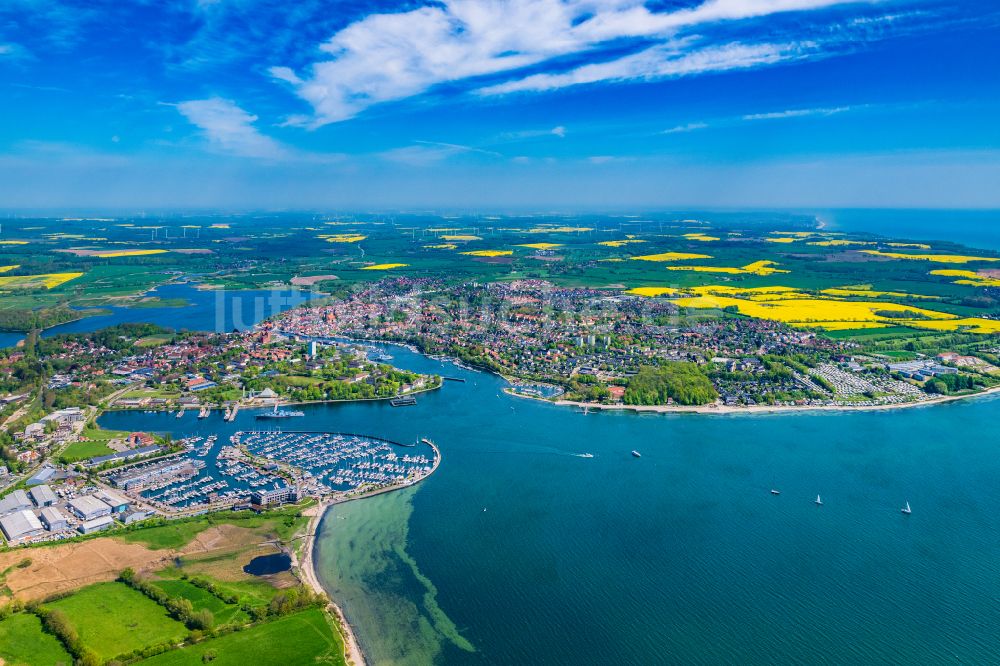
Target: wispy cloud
x=11 y=51
x=425 y=153
x=557 y=131
x=689 y=127
x=796 y=113
x=387 y=57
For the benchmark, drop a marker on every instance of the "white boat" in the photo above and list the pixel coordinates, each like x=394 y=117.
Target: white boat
x=819 y=502
x=906 y=509
x=775 y=492
x=636 y=454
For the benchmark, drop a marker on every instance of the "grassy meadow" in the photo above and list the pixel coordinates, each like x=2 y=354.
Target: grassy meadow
x=112 y=619
x=22 y=642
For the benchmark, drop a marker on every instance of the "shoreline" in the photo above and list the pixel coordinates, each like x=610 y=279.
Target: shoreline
x=307 y=570
x=756 y=409
x=306 y=566
x=696 y=409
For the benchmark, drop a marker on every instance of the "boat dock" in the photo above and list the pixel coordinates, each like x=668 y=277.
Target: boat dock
x=403 y=401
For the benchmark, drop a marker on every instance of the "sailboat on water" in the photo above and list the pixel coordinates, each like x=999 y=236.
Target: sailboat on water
x=819 y=502
x=906 y=509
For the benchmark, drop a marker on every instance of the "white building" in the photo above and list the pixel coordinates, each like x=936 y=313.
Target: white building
x=54 y=519
x=89 y=507
x=16 y=501
x=117 y=503
x=43 y=496
x=20 y=525
x=96 y=525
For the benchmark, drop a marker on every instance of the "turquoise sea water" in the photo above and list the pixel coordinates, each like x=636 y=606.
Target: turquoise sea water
x=518 y=551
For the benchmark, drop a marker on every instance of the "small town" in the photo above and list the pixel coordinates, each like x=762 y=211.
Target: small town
x=591 y=343
x=61 y=475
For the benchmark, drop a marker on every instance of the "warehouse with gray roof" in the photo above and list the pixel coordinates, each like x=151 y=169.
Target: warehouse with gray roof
x=20 y=525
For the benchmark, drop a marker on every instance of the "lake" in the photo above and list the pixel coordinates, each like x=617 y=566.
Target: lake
x=208 y=310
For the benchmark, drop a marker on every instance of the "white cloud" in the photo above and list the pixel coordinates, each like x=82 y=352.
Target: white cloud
x=425 y=153
x=559 y=131
x=796 y=113
x=689 y=127
x=230 y=129
x=657 y=63
x=386 y=57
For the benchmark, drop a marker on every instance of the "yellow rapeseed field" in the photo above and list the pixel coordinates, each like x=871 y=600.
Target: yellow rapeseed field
x=653 y=291
x=756 y=268
x=797 y=309
x=13 y=242
x=939 y=258
x=919 y=246
x=620 y=243
x=47 y=280
x=489 y=253
x=969 y=324
x=671 y=256
x=383 y=267
x=868 y=293
x=796 y=234
x=970 y=278
x=541 y=246
x=809 y=311
x=441 y=246
x=782 y=239
x=343 y=238
x=4 y=269
x=839 y=242
x=110 y=254
x=701 y=237
x=461 y=237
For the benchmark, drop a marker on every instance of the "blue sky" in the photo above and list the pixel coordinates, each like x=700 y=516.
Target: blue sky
x=499 y=104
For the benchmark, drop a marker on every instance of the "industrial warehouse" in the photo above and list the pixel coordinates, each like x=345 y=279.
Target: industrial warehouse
x=43 y=514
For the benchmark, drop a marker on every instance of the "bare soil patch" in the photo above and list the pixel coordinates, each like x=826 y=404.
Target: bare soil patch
x=308 y=281
x=70 y=566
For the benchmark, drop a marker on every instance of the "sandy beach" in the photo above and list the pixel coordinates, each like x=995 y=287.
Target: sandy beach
x=307 y=571
x=307 y=566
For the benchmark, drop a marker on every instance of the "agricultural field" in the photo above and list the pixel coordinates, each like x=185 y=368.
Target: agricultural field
x=935 y=285
x=306 y=637
x=112 y=619
x=202 y=600
x=22 y=642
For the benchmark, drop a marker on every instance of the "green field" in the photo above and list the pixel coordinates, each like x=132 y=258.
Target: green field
x=303 y=638
x=84 y=450
x=280 y=524
x=202 y=600
x=260 y=252
x=112 y=619
x=22 y=641
x=96 y=446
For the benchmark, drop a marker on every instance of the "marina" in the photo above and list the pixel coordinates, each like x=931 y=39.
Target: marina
x=214 y=473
